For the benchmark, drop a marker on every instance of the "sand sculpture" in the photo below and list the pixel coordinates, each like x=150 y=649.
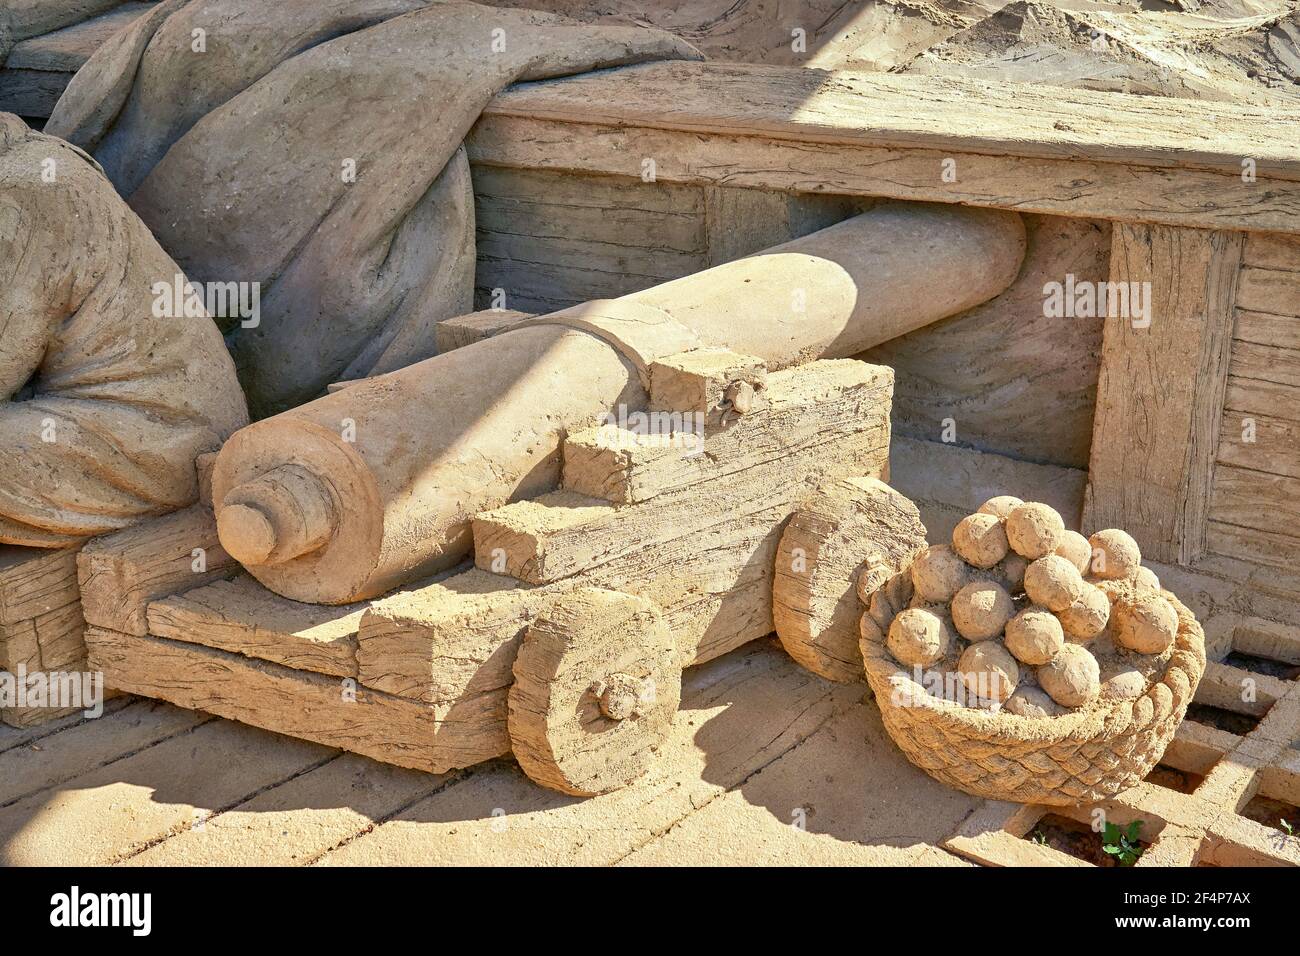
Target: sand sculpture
x=564 y=625
x=356 y=220
x=565 y=644
x=1055 y=639
x=351 y=495
x=106 y=399
x=106 y=404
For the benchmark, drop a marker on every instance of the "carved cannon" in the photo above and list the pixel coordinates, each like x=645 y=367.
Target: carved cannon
x=373 y=486
x=678 y=533
x=645 y=483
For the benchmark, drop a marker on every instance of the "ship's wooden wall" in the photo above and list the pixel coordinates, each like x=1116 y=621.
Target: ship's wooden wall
x=548 y=240
x=1013 y=380
x=1255 y=505
x=1007 y=377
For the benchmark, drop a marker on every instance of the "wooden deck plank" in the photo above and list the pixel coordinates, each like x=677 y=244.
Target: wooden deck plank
x=1254 y=499
x=297 y=821
x=1272 y=252
x=80 y=748
x=14 y=737
x=844 y=796
x=739 y=713
x=112 y=812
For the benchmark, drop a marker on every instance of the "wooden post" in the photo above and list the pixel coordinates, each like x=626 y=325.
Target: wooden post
x=1161 y=388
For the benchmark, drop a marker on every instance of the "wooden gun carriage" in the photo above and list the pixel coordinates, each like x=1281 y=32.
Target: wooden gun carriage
x=564 y=643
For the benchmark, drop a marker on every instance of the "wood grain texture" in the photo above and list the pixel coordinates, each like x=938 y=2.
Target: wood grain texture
x=1261 y=328
x=34 y=581
x=41 y=627
x=1273 y=447
x=549 y=241
x=704 y=552
x=1033 y=149
x=122 y=573
x=243 y=617
x=1160 y=394
x=1257 y=548
x=462 y=330
x=560 y=730
x=625 y=467
x=313 y=707
x=561 y=534
x=850 y=527
x=1253 y=396
x=1257 y=500
x=1267 y=251
x=1269 y=290
x=1266 y=363
x=926 y=112
x=1253 y=511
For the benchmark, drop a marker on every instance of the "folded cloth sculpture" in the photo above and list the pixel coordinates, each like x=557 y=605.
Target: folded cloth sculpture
x=104 y=403
x=323 y=161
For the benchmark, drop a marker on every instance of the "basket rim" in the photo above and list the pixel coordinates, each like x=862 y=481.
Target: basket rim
x=886 y=676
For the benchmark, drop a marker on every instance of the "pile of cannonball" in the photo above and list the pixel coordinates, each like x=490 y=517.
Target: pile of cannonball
x=1017 y=594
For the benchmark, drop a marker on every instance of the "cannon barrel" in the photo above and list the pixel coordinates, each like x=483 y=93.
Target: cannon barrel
x=349 y=496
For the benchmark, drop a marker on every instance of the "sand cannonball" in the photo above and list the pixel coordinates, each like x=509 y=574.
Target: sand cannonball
x=1126 y=685
x=1087 y=616
x=1034 y=530
x=1072 y=678
x=1053 y=582
x=980 y=540
x=938 y=574
x=1001 y=506
x=1146 y=578
x=981 y=610
x=1145 y=623
x=1034 y=636
x=917 y=637
x=1115 y=555
x=1012 y=569
x=1029 y=701
x=988 y=671
x=1075 y=548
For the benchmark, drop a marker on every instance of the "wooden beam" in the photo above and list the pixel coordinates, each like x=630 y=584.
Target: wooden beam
x=1034 y=149
x=1160 y=394
x=121 y=573
x=327 y=710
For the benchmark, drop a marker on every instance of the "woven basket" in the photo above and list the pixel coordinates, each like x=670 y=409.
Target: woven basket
x=1076 y=758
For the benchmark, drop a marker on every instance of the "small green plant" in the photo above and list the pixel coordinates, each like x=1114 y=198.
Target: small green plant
x=1286 y=825
x=1039 y=837
x=1122 y=844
